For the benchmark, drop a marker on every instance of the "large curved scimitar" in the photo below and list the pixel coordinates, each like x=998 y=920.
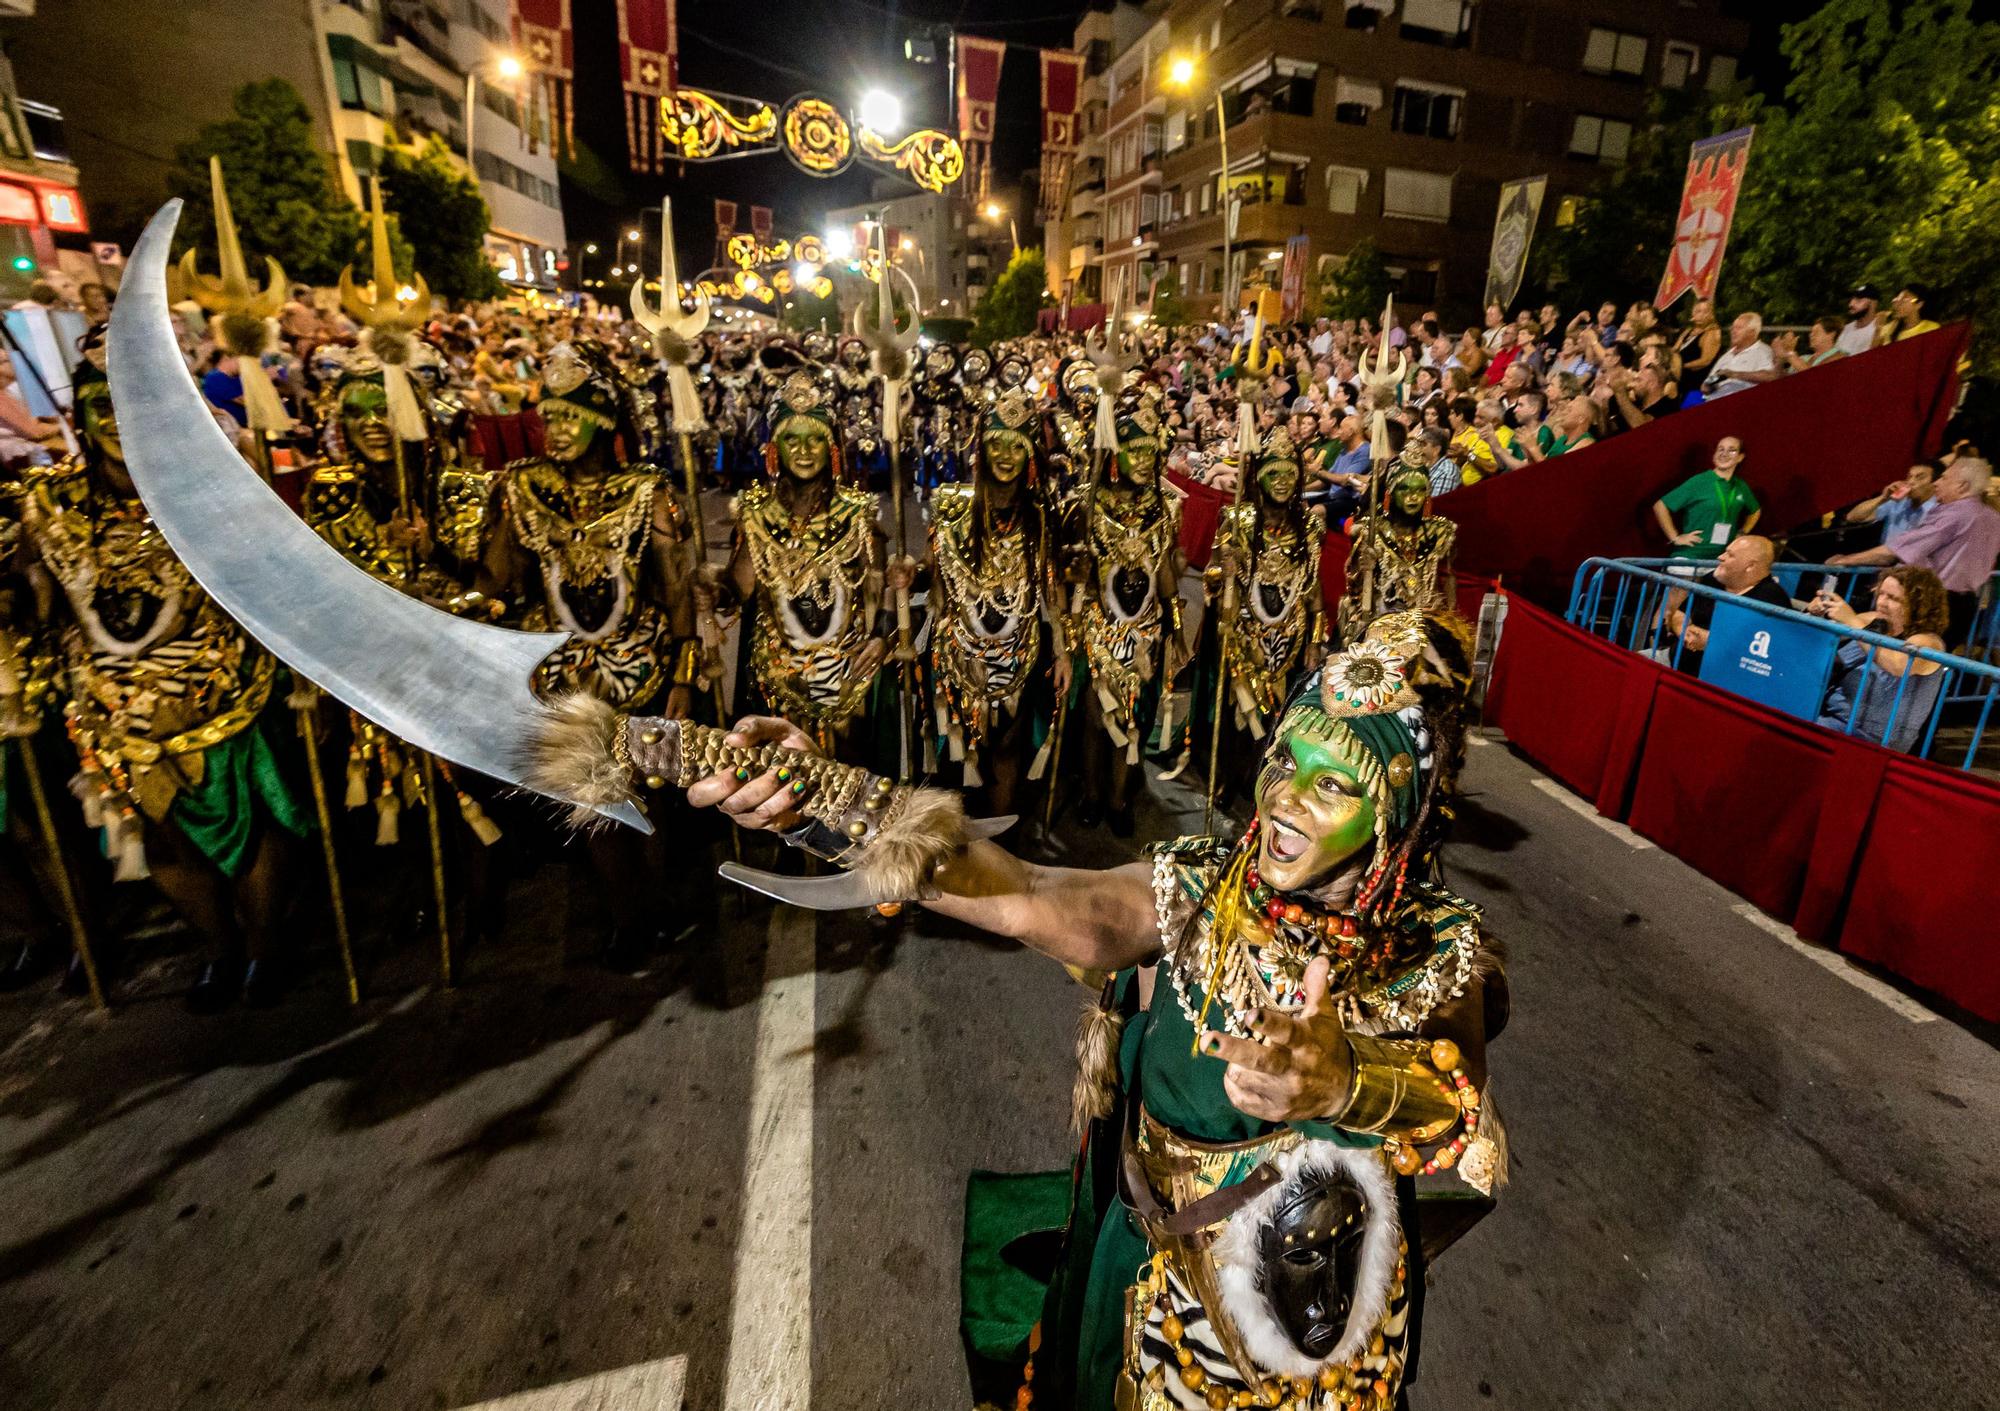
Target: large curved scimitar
x=454 y=687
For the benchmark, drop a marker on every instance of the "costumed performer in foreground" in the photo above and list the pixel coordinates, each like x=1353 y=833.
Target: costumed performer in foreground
x=1312 y=1006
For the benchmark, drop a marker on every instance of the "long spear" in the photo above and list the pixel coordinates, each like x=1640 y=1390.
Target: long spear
x=1382 y=383
x=1251 y=371
x=891 y=358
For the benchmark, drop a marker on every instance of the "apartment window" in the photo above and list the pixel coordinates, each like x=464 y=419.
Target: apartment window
x=1600 y=139
x=1619 y=55
x=1354 y=99
x=1678 y=63
x=1366 y=14
x=1215 y=34
x=1426 y=111
x=1344 y=186
x=1207 y=198
x=1187 y=202
x=1445 y=22
x=1416 y=195
x=1149 y=209
x=1177 y=130
x=1721 y=72
x=1567 y=209
x=364 y=157
x=1151 y=139
x=358 y=76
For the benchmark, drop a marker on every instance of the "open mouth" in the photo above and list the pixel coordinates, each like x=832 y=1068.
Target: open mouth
x=1287 y=844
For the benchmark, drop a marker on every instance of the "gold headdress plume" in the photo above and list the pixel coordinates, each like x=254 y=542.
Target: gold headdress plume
x=390 y=313
x=239 y=310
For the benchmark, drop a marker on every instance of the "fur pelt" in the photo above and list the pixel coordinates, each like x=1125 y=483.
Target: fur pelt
x=902 y=857
x=572 y=756
x=1241 y=1281
x=1095 y=1090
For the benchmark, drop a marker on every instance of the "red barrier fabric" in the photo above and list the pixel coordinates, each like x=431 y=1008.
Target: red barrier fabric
x=1732 y=789
x=499 y=439
x=1812 y=443
x=1921 y=903
x=1550 y=692
x=1884 y=856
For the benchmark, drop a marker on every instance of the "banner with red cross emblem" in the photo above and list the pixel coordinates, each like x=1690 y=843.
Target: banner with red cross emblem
x=1708 y=206
x=648 y=59
x=547 y=49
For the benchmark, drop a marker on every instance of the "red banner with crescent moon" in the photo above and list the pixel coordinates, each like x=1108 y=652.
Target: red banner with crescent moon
x=1708 y=208
x=1062 y=85
x=648 y=59
x=547 y=49
x=979 y=63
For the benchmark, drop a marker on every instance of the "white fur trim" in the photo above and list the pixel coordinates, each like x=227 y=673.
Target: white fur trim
x=1240 y=1267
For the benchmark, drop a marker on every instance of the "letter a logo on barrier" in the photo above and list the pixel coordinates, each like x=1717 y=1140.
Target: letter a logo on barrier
x=1760 y=646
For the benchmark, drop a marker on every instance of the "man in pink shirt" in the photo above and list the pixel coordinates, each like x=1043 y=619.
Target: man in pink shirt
x=1959 y=541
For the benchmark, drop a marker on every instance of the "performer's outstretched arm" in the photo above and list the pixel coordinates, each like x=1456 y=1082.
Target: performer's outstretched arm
x=1095 y=920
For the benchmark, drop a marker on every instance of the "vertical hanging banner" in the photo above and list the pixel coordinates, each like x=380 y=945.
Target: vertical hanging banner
x=760 y=224
x=648 y=56
x=1708 y=206
x=547 y=49
x=979 y=63
x=725 y=226
x=1293 y=281
x=1062 y=84
x=1513 y=232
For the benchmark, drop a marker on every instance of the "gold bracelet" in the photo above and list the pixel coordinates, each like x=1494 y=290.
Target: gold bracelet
x=1395 y=1092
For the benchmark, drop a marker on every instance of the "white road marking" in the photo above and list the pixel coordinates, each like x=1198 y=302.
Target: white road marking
x=644 y=1386
x=770 y=1322
x=1585 y=811
x=1834 y=964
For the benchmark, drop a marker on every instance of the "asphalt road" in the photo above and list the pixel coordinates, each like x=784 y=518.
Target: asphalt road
x=1741 y=1180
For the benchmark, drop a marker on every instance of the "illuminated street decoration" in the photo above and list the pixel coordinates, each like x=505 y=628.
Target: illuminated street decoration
x=817 y=137
x=812 y=132
x=700 y=128
x=932 y=159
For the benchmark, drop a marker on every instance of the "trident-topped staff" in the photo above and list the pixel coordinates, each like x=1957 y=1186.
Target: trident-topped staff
x=239 y=317
x=1252 y=370
x=889 y=353
x=675 y=336
x=1381 y=383
x=391 y=312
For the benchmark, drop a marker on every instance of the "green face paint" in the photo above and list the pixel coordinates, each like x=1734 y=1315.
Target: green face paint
x=100 y=422
x=566 y=434
x=804 y=448
x=364 y=421
x=1280 y=481
x=1313 y=803
x=1139 y=461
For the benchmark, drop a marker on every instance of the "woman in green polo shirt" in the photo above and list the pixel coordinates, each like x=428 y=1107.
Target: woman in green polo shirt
x=1703 y=513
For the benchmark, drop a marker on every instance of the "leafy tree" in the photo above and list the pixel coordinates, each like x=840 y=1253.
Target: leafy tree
x=282 y=188
x=1357 y=287
x=1008 y=308
x=440 y=212
x=1169 y=309
x=1881 y=163
x=808 y=310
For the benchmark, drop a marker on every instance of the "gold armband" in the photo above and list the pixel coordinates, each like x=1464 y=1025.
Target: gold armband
x=1396 y=1093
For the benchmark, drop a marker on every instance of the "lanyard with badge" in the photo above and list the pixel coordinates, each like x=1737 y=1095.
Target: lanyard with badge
x=1725 y=525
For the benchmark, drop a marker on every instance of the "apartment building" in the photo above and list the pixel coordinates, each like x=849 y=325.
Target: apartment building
x=134 y=87
x=1394 y=121
x=1073 y=239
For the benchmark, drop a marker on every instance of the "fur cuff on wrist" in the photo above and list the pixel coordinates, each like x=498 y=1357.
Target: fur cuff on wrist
x=573 y=756
x=926 y=831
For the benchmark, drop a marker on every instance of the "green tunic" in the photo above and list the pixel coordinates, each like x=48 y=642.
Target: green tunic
x=1082 y=1318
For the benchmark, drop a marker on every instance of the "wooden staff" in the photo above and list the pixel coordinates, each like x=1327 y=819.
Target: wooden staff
x=72 y=913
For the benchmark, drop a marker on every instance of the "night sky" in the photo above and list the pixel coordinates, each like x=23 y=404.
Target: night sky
x=772 y=51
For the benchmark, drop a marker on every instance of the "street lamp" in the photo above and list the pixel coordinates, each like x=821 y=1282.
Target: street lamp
x=1180 y=76
x=881 y=112
x=993 y=211
x=509 y=68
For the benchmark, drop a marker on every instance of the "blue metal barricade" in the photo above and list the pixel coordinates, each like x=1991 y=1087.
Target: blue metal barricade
x=1633 y=615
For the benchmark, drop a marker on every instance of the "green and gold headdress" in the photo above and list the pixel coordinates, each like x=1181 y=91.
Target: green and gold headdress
x=1012 y=412
x=582 y=381
x=801 y=395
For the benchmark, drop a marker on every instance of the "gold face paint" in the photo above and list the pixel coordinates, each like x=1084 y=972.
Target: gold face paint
x=1280 y=481
x=364 y=421
x=566 y=433
x=1006 y=455
x=804 y=448
x=1313 y=802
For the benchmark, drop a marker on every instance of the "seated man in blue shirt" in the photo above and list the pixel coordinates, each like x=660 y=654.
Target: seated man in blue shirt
x=1901 y=504
x=223 y=386
x=1343 y=484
